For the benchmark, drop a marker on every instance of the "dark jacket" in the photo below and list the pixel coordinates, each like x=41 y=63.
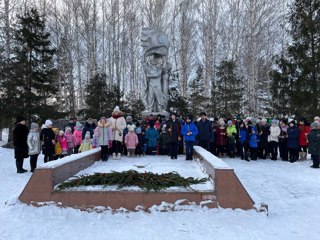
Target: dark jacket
x=293 y=137
x=314 y=142
x=20 y=136
x=205 y=130
x=174 y=134
x=71 y=125
x=88 y=128
x=264 y=133
x=46 y=136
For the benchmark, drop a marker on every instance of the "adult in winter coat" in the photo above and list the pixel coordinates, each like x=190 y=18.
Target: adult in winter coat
x=243 y=139
x=283 y=138
x=89 y=126
x=205 y=131
x=231 y=131
x=304 y=130
x=189 y=132
x=34 y=145
x=104 y=136
x=118 y=124
x=173 y=130
x=221 y=138
x=78 y=136
x=264 y=132
x=71 y=124
x=20 y=135
x=273 y=139
x=314 y=144
x=293 y=141
x=47 y=137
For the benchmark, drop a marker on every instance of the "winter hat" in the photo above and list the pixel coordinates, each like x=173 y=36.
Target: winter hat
x=138 y=130
x=221 y=122
x=238 y=117
x=79 y=126
x=104 y=118
x=20 y=119
x=61 y=132
x=116 y=109
x=131 y=128
x=315 y=125
x=87 y=136
x=293 y=122
x=317 y=119
x=34 y=126
x=129 y=118
x=229 y=122
x=48 y=123
x=274 y=121
x=263 y=120
x=68 y=129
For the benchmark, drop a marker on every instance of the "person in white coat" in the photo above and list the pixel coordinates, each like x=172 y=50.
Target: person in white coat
x=273 y=139
x=118 y=124
x=34 y=145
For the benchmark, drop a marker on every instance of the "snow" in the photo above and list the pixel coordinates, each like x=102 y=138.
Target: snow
x=61 y=161
x=213 y=160
x=155 y=164
x=5 y=133
x=292 y=192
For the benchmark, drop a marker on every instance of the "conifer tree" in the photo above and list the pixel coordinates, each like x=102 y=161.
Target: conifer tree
x=31 y=75
x=296 y=78
x=230 y=90
x=198 y=102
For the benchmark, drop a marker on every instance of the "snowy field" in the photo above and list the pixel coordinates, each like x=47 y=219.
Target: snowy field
x=292 y=192
x=155 y=164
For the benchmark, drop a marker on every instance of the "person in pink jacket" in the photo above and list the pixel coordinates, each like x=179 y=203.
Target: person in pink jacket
x=63 y=143
x=131 y=141
x=71 y=140
x=78 y=135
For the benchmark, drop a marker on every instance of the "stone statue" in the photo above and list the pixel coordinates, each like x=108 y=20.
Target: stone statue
x=155 y=45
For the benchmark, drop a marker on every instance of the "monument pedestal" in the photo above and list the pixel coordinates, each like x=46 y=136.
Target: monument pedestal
x=145 y=114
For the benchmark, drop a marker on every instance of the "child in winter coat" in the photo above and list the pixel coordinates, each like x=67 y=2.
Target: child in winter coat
x=231 y=131
x=221 y=138
x=62 y=139
x=253 y=143
x=152 y=136
x=57 y=145
x=293 y=141
x=71 y=140
x=314 y=144
x=78 y=136
x=163 y=141
x=86 y=144
x=131 y=141
x=34 y=145
x=104 y=137
x=141 y=141
x=243 y=139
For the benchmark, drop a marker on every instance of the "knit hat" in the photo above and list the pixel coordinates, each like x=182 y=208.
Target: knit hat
x=87 y=136
x=34 y=126
x=131 y=128
x=48 y=123
x=116 y=109
x=104 y=118
x=138 y=130
x=79 y=126
x=315 y=125
x=229 y=122
x=128 y=118
x=20 y=119
x=68 y=129
x=317 y=119
x=61 y=132
x=274 y=121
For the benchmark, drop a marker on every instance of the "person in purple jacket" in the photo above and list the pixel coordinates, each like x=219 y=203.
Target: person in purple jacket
x=189 y=132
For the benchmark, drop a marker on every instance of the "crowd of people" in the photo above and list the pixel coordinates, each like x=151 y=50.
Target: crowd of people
x=248 y=139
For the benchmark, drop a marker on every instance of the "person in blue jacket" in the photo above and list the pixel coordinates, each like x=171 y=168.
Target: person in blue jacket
x=189 y=132
x=293 y=141
x=152 y=136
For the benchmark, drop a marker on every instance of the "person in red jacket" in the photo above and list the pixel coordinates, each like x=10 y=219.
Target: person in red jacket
x=304 y=130
x=221 y=138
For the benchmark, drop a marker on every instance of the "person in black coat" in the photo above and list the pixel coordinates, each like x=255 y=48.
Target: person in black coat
x=20 y=136
x=205 y=131
x=47 y=138
x=173 y=131
x=89 y=126
x=71 y=124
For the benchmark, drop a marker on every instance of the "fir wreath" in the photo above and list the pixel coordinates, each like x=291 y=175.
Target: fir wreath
x=147 y=181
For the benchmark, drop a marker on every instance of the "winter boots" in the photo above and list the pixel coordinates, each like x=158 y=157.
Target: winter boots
x=19 y=164
x=302 y=156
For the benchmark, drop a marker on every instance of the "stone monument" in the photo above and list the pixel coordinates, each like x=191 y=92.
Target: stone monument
x=155 y=94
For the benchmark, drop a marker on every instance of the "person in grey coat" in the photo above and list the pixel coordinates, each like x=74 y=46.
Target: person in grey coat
x=34 y=145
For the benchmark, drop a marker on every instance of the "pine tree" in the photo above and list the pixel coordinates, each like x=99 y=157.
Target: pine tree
x=30 y=74
x=299 y=70
x=177 y=103
x=198 y=102
x=230 y=91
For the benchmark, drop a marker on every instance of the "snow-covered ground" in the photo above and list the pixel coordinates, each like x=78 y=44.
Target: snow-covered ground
x=292 y=192
x=5 y=133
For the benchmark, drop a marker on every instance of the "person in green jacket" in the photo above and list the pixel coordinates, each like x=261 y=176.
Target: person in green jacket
x=314 y=144
x=231 y=138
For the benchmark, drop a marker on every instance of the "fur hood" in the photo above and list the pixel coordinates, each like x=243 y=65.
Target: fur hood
x=104 y=125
